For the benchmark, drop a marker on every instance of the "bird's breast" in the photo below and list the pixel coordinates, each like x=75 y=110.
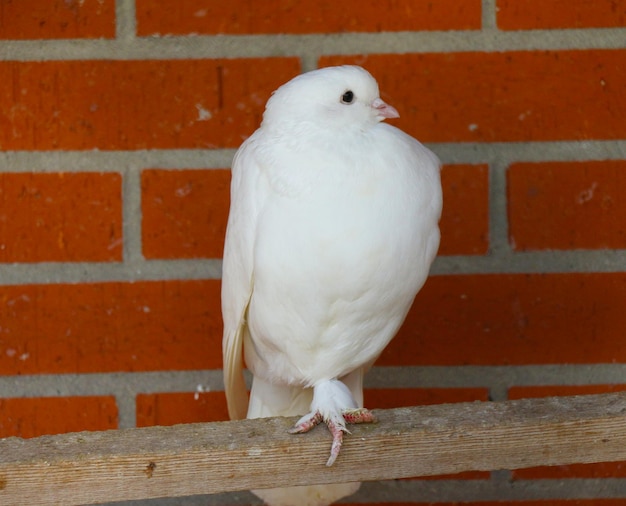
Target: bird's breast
x=339 y=255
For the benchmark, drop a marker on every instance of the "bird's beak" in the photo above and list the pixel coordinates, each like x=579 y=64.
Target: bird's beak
x=384 y=110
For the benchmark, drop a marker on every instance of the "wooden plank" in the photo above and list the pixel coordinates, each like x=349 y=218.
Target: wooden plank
x=92 y=467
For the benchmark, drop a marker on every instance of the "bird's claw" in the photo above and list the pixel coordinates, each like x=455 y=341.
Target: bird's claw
x=306 y=423
x=336 y=426
x=337 y=433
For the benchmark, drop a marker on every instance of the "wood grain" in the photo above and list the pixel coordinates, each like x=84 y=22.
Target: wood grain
x=92 y=467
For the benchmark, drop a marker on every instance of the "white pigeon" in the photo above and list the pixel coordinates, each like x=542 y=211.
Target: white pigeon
x=332 y=229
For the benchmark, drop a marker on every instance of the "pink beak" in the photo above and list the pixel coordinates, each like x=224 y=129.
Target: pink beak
x=384 y=109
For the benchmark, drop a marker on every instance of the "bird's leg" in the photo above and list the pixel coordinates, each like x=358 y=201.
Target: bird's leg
x=326 y=408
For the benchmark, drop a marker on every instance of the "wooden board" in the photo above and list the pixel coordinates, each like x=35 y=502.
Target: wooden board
x=93 y=467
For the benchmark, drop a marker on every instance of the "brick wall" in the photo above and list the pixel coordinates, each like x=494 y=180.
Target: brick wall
x=118 y=122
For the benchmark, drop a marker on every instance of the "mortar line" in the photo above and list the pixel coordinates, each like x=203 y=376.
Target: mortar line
x=530 y=151
x=545 y=262
x=399 y=377
x=533 y=262
x=126 y=410
x=87 y=272
x=498 y=210
x=498 y=489
x=114 y=161
x=279 y=46
x=132 y=214
x=125 y=20
x=489 y=15
x=308 y=61
x=453 y=152
x=498 y=392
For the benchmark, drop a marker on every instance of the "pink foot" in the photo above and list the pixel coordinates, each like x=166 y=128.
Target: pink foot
x=306 y=423
x=336 y=427
x=358 y=415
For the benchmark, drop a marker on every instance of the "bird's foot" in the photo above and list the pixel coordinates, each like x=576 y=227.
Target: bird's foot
x=358 y=415
x=336 y=425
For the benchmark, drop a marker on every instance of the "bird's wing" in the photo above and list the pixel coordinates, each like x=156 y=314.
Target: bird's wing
x=237 y=273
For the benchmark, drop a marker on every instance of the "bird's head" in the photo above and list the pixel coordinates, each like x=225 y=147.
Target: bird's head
x=344 y=97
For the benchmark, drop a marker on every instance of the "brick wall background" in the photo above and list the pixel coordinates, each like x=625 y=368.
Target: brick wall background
x=118 y=122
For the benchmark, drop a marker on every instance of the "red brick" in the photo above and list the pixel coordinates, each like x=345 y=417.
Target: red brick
x=184 y=213
x=503 y=96
x=388 y=398
x=601 y=470
x=108 y=327
x=61 y=217
x=547 y=14
x=176 y=17
x=32 y=417
x=118 y=105
x=465 y=216
x=514 y=319
x=567 y=205
x=57 y=19
x=174 y=408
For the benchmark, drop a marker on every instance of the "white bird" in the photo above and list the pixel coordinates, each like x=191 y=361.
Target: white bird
x=332 y=229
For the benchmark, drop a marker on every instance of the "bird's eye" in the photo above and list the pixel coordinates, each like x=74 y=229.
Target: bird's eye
x=347 y=97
